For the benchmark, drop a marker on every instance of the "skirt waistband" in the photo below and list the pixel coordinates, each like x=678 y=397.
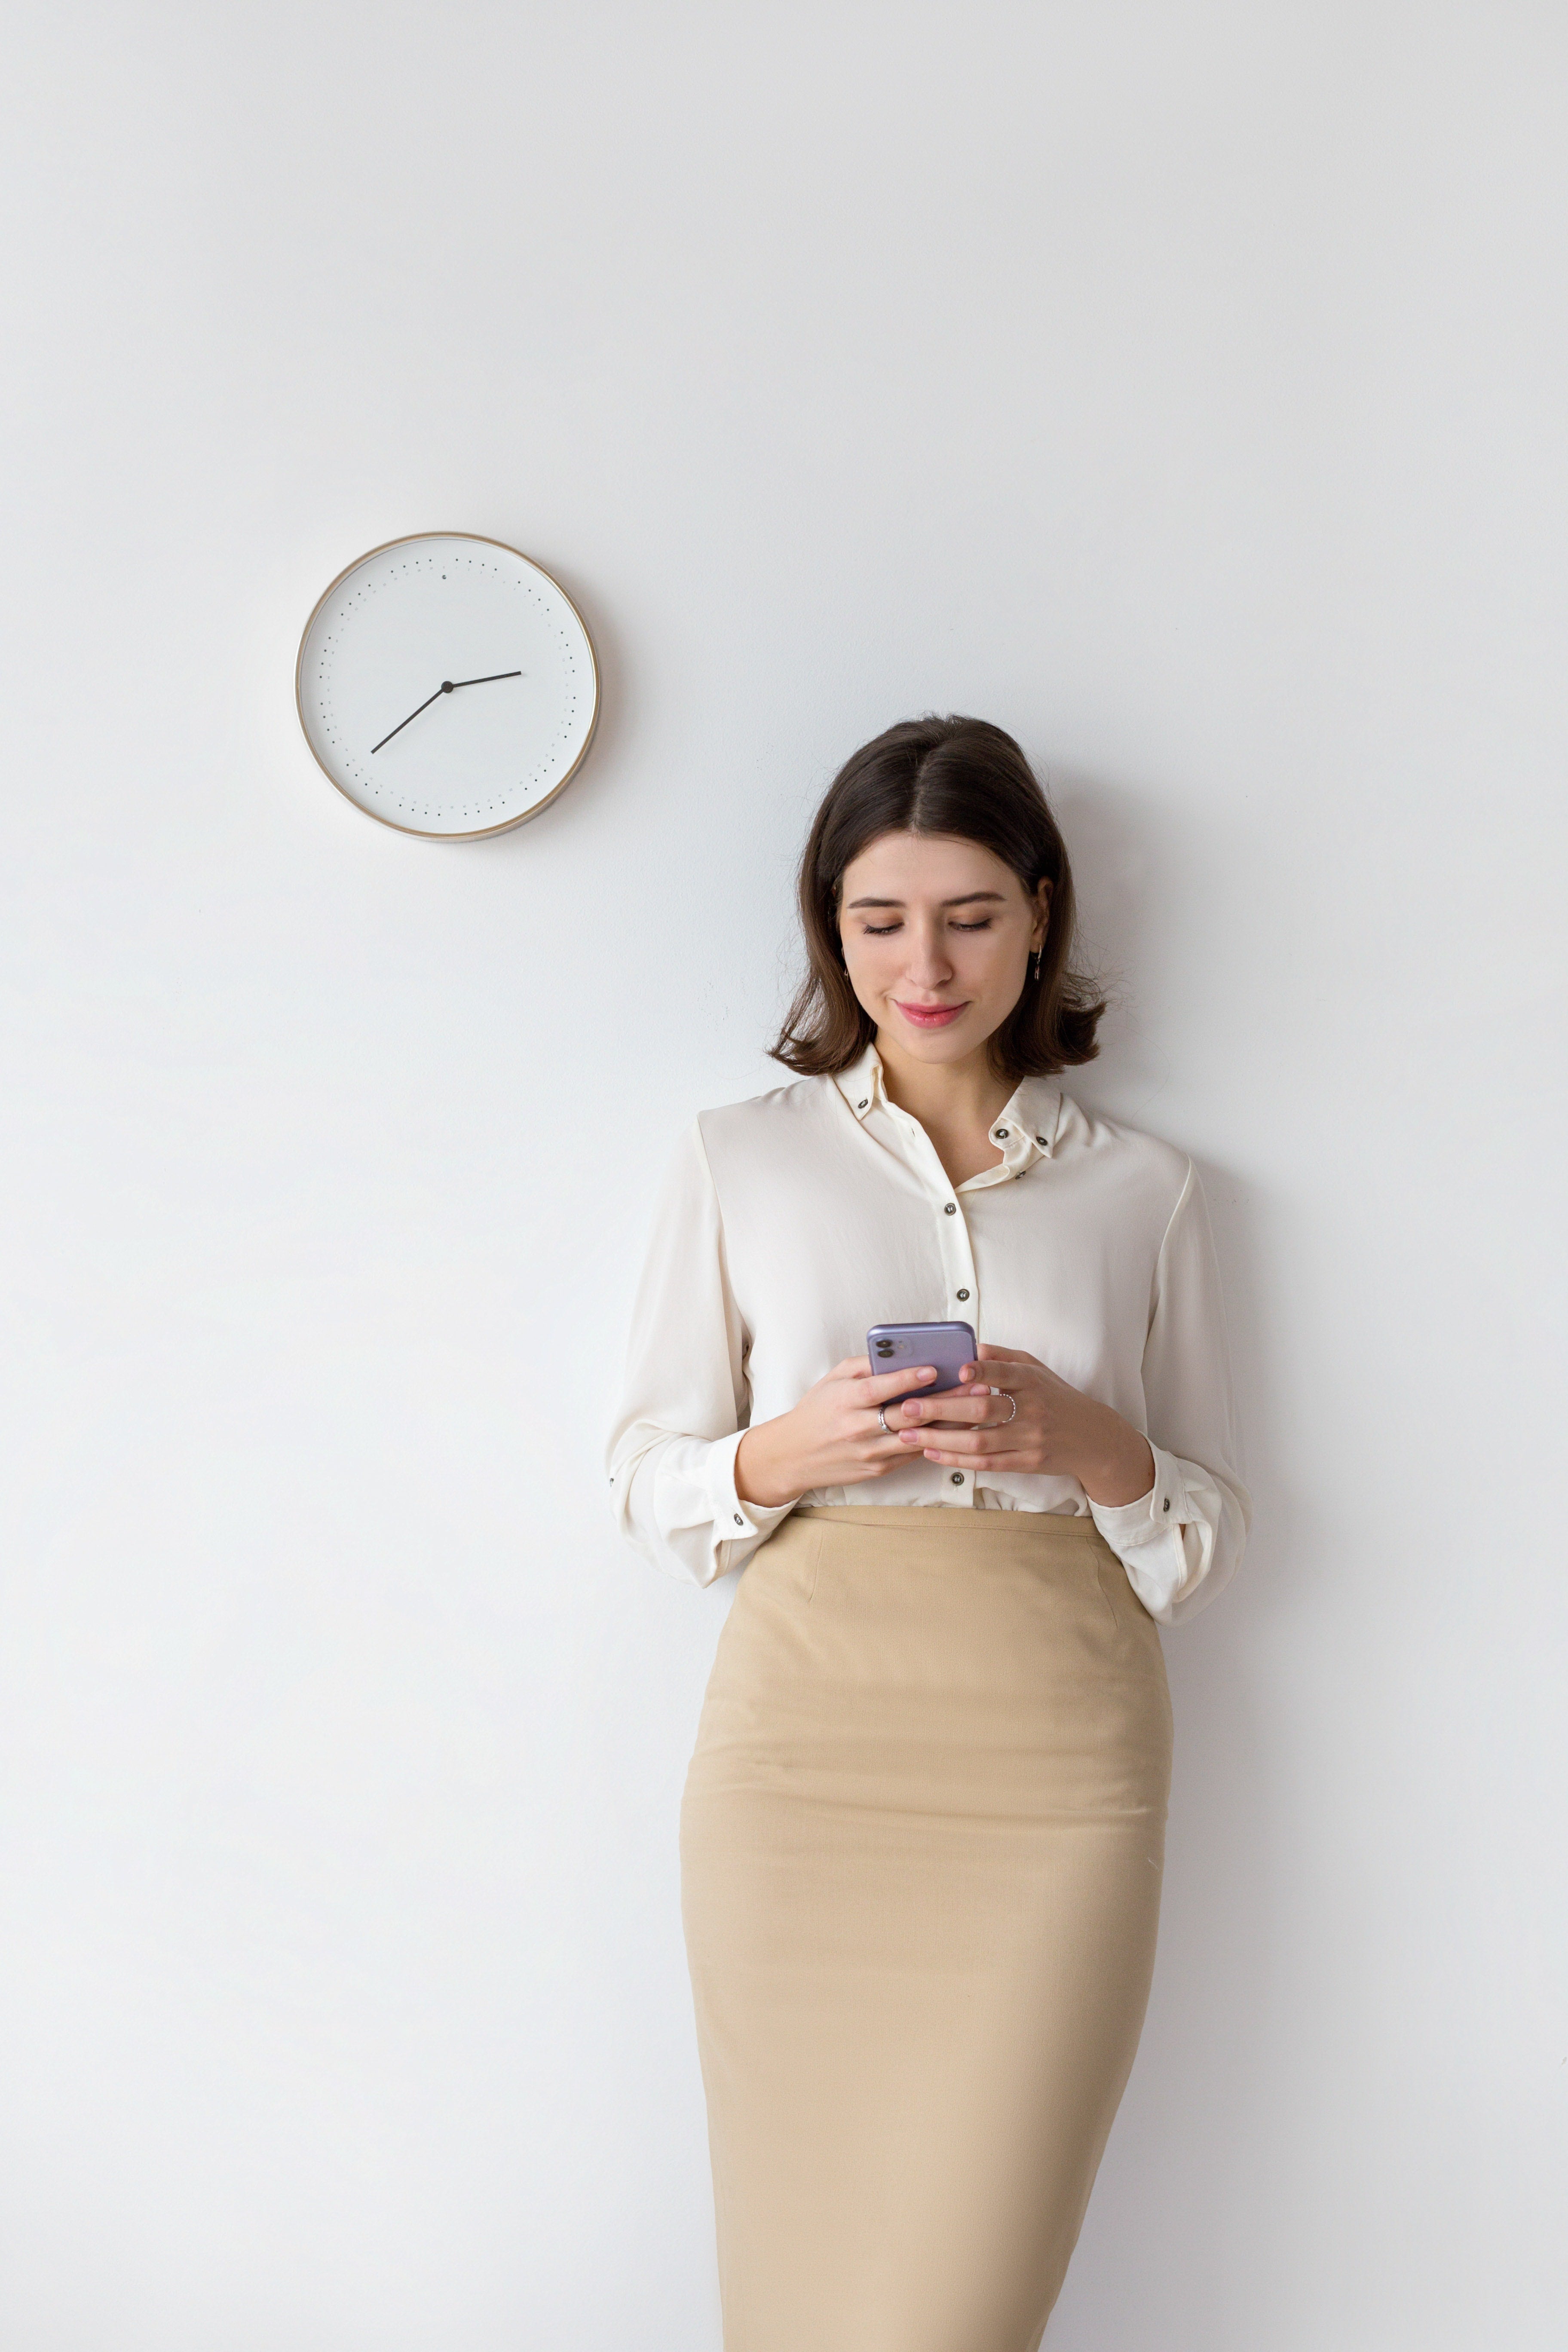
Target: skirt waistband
x=938 y=1518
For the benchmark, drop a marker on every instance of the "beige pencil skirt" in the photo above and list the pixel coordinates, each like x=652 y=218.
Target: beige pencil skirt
x=921 y=1845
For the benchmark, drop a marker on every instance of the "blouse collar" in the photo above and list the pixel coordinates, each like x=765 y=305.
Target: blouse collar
x=1026 y=1128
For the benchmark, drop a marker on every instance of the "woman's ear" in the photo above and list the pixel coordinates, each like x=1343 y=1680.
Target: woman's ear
x=1042 y=916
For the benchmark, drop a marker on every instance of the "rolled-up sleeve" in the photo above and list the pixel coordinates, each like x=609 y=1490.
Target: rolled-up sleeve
x=1180 y=1543
x=686 y=1402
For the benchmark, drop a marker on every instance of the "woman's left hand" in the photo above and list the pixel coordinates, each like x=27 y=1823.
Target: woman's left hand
x=1056 y=1431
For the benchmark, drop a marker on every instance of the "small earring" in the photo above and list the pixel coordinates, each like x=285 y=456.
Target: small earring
x=1036 y=970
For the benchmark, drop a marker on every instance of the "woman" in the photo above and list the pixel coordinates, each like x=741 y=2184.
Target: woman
x=923 y=1829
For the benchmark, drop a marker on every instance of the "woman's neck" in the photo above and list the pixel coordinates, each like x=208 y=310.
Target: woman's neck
x=956 y=1102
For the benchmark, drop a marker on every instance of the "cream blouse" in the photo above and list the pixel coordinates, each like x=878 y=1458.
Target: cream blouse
x=791 y=1224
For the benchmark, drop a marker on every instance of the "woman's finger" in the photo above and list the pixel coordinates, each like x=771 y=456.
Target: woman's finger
x=974 y=1455
x=955 y=1408
x=966 y=1442
x=880 y=1386
x=892 y=1417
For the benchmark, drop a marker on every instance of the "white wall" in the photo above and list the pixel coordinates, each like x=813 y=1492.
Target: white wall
x=1182 y=387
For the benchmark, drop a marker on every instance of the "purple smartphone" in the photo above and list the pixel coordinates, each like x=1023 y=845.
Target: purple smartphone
x=948 y=1346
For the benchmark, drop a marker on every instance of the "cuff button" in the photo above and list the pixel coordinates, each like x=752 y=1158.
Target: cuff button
x=1166 y=1504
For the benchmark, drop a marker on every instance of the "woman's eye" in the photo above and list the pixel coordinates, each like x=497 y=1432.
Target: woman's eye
x=886 y=930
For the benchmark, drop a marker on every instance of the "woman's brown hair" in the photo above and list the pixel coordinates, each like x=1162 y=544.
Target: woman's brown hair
x=963 y=778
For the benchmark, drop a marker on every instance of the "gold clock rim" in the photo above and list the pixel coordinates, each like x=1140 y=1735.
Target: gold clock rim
x=416 y=833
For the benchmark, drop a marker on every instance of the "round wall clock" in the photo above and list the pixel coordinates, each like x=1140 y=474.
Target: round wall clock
x=448 y=685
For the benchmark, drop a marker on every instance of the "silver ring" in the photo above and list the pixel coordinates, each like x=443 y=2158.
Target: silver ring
x=1013 y=1416
x=882 y=1415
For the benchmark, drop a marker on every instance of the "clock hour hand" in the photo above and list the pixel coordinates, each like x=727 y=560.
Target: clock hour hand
x=448 y=685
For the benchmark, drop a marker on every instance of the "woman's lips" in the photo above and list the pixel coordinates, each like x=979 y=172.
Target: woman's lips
x=931 y=1016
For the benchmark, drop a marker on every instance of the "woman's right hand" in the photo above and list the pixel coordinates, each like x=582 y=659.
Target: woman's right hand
x=832 y=1438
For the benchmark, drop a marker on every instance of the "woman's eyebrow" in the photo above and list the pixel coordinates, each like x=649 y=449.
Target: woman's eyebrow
x=970 y=898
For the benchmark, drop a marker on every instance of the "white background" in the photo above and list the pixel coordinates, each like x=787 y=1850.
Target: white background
x=1181 y=386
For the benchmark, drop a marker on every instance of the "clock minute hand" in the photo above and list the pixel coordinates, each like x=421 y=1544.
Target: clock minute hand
x=448 y=685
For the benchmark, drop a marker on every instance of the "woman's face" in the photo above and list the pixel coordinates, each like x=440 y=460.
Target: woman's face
x=937 y=936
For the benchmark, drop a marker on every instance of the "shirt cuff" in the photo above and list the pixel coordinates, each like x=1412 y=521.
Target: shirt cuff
x=735 y=1521
x=1148 y=1539
x=1125 y=1525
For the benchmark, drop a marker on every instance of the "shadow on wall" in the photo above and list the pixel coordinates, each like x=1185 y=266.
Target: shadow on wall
x=600 y=771
x=1187 y=2141
x=1124 y=851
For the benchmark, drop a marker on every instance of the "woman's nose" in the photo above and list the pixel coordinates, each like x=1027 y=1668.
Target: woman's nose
x=928 y=961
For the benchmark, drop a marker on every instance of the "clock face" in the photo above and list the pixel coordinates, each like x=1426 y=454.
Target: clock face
x=448 y=685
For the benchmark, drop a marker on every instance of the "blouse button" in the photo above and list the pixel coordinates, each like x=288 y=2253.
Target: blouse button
x=739 y=1522
x=964 y=1294
x=957 y=1477
x=952 y=1209
x=1166 y=1504
x=1000 y=1135
x=1041 y=1141
x=863 y=1106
